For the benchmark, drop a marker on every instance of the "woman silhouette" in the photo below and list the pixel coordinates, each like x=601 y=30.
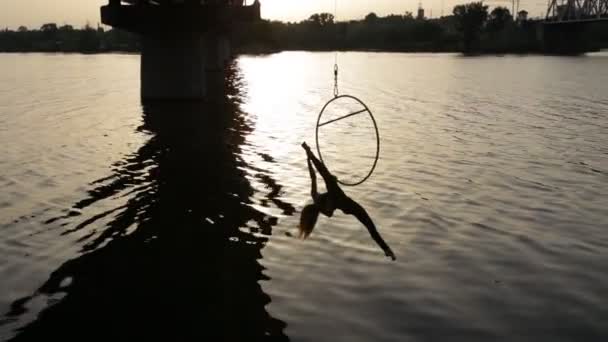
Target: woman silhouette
x=333 y=199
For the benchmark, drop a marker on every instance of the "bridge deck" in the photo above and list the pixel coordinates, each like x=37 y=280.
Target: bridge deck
x=176 y=18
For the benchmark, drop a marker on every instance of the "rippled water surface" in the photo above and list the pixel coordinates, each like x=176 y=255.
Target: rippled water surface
x=179 y=220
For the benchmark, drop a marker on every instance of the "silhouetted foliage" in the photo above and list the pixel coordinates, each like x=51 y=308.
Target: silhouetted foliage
x=470 y=20
x=53 y=38
x=320 y=32
x=470 y=29
x=499 y=18
x=321 y=19
x=372 y=17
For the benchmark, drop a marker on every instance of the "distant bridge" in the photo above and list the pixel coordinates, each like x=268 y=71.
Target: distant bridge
x=572 y=11
x=564 y=28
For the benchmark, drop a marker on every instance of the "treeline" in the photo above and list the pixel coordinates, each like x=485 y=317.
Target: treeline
x=498 y=32
x=320 y=32
x=66 y=38
x=472 y=28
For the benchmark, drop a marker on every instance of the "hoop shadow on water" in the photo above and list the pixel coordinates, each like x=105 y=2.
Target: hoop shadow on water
x=190 y=269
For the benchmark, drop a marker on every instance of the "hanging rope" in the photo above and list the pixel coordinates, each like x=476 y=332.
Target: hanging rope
x=336 y=90
x=342 y=98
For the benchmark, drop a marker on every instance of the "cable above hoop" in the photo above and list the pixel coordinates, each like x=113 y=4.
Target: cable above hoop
x=336 y=91
x=337 y=97
x=336 y=68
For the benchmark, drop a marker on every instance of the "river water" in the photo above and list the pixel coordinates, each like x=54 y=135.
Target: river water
x=127 y=220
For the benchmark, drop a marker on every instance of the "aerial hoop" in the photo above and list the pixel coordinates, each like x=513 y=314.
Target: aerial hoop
x=364 y=109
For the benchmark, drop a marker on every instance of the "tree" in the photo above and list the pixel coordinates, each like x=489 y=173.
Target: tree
x=67 y=38
x=89 y=40
x=49 y=32
x=470 y=19
x=371 y=18
x=321 y=19
x=500 y=17
x=522 y=15
x=50 y=27
x=22 y=29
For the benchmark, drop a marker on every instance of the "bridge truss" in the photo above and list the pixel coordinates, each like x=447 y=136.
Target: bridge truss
x=577 y=10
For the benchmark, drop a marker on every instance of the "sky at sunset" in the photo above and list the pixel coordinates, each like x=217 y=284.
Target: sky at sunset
x=33 y=13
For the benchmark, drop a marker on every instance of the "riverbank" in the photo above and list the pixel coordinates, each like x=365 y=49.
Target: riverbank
x=267 y=51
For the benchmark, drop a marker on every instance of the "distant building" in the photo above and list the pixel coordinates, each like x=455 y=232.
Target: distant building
x=522 y=15
x=420 y=15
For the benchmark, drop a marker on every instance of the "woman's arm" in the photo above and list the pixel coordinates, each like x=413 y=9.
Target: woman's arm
x=353 y=208
x=313 y=178
x=327 y=177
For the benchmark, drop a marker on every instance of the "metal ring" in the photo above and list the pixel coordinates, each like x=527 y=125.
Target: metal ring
x=371 y=171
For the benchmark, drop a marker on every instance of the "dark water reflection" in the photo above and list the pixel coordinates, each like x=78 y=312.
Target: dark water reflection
x=180 y=259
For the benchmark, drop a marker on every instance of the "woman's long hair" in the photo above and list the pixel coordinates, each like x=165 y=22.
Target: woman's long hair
x=308 y=219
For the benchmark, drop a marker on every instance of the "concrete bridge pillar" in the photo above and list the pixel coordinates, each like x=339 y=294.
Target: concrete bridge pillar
x=183 y=66
x=185 y=47
x=217 y=56
x=173 y=67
